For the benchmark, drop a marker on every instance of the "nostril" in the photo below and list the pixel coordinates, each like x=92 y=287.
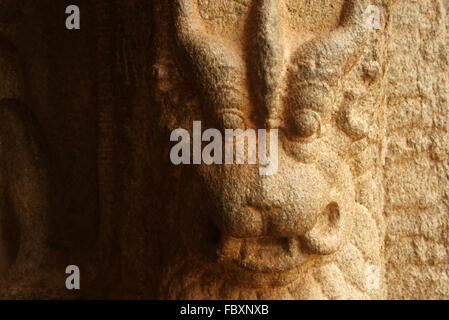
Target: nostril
x=333 y=213
x=329 y=219
x=326 y=236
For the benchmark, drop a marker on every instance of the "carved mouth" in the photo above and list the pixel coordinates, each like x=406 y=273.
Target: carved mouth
x=263 y=255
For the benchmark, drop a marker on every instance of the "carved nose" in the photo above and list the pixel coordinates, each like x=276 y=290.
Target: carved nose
x=271 y=62
x=286 y=204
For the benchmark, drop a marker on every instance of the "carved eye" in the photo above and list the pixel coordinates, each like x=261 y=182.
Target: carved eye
x=306 y=123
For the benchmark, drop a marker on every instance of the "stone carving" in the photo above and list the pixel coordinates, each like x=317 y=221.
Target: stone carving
x=315 y=229
x=24 y=202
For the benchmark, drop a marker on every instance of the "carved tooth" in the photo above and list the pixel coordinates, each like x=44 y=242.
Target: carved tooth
x=293 y=247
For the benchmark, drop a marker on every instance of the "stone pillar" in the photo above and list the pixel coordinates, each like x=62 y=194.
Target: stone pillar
x=314 y=229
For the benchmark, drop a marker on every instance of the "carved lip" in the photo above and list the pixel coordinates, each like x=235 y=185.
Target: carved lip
x=267 y=255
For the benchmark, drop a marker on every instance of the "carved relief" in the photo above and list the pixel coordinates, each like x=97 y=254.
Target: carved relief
x=24 y=202
x=314 y=229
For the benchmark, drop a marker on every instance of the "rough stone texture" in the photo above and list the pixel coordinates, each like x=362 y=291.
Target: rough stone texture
x=363 y=153
x=416 y=167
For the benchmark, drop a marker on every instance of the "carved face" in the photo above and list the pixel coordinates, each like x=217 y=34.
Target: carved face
x=268 y=65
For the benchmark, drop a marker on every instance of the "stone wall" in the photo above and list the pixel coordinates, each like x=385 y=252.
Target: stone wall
x=416 y=166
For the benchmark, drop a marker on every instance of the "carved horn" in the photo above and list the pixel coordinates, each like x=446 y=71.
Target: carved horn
x=337 y=51
x=218 y=70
